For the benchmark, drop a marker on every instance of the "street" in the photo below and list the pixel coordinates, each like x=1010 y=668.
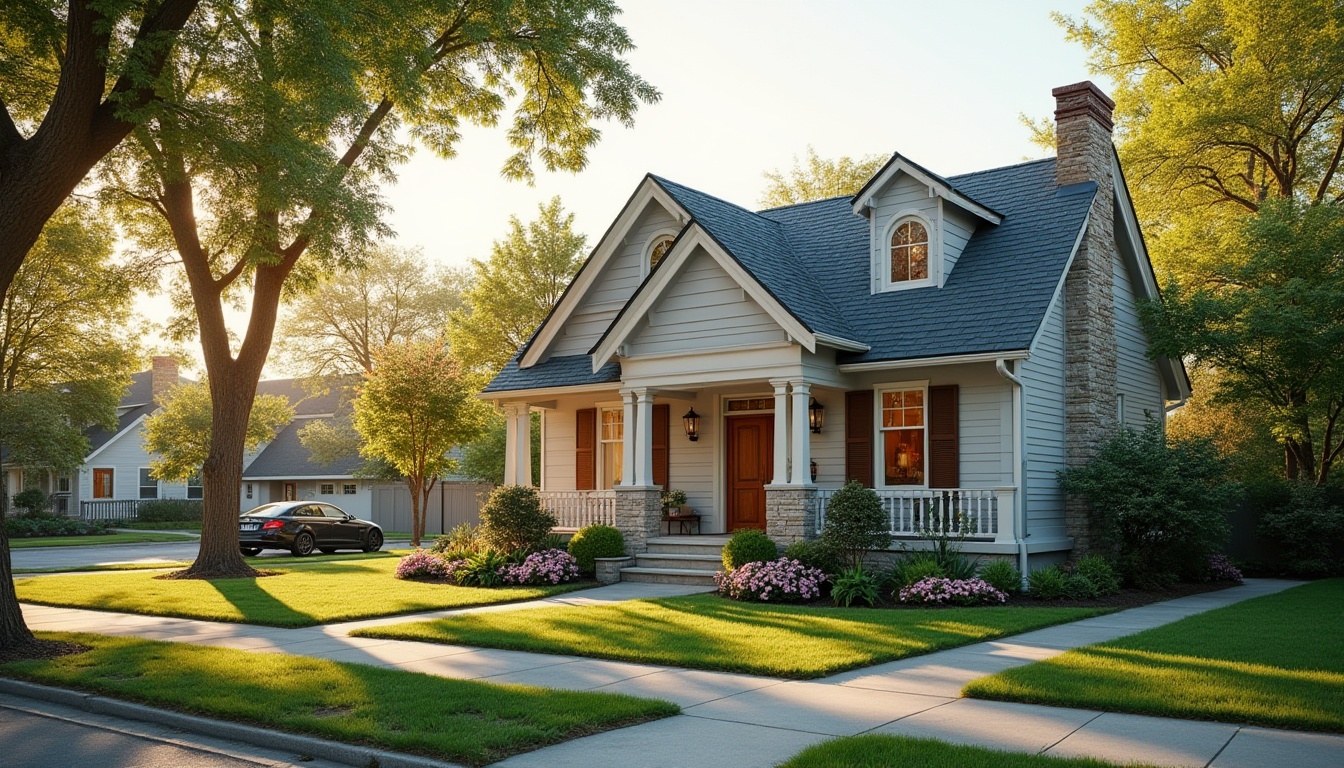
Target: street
x=106 y=554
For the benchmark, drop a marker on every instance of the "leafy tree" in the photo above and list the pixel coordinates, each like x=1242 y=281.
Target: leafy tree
x=413 y=408
x=513 y=292
x=181 y=433
x=1242 y=432
x=820 y=179
x=74 y=81
x=284 y=120
x=1270 y=318
x=484 y=459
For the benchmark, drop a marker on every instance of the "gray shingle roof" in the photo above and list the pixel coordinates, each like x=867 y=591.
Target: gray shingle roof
x=567 y=371
x=286 y=457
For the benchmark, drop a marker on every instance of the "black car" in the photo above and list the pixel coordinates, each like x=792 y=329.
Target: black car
x=302 y=526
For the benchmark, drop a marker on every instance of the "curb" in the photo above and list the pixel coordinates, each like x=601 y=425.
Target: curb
x=300 y=745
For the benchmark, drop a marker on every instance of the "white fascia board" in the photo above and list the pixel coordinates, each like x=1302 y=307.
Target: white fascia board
x=1063 y=276
x=247 y=479
x=901 y=165
x=652 y=290
x=648 y=191
x=526 y=395
x=840 y=343
x=924 y=362
x=129 y=427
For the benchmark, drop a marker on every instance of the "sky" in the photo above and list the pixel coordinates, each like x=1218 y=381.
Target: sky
x=746 y=86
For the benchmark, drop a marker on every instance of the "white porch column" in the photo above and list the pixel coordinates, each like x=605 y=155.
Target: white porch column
x=802 y=435
x=644 y=438
x=517 y=444
x=525 y=446
x=510 y=444
x=627 y=438
x=781 y=475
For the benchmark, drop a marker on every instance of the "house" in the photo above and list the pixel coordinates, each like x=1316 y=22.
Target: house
x=951 y=342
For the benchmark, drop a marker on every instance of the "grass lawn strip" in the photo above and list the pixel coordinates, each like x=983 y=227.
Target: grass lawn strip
x=708 y=632
x=1276 y=660
x=91 y=541
x=301 y=596
x=459 y=720
x=264 y=563
x=882 y=751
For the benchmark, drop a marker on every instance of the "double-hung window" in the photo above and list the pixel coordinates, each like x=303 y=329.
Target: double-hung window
x=903 y=434
x=611 y=435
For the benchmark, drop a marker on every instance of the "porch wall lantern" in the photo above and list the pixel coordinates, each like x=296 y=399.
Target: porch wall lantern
x=814 y=471
x=692 y=423
x=816 y=416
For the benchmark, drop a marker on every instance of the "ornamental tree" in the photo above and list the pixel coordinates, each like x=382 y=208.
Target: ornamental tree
x=181 y=432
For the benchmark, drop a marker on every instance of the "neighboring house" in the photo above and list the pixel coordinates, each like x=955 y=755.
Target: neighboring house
x=951 y=342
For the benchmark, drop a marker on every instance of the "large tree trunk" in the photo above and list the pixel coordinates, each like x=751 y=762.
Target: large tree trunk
x=13 y=632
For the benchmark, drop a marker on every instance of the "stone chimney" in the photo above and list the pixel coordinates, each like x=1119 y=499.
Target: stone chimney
x=162 y=376
x=1083 y=135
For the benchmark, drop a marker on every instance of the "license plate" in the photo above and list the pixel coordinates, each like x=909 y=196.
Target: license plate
x=251 y=527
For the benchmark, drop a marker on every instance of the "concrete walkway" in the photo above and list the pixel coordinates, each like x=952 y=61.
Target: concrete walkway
x=744 y=720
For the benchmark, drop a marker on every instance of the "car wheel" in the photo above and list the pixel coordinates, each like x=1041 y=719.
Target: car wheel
x=374 y=541
x=303 y=544
x=249 y=551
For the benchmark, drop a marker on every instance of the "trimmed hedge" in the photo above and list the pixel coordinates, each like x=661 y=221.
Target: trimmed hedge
x=593 y=542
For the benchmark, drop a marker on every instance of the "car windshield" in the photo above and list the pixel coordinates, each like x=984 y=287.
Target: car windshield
x=265 y=510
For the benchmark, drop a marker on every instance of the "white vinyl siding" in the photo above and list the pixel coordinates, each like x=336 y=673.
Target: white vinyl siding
x=1043 y=377
x=950 y=228
x=126 y=455
x=1137 y=377
x=704 y=309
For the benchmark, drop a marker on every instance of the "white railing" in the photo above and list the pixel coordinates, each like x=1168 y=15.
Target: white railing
x=976 y=513
x=577 y=509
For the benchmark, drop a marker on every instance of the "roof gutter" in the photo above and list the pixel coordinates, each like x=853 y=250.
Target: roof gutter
x=1019 y=465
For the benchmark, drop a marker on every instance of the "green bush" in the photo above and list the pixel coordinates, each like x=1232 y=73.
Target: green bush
x=463 y=538
x=1048 y=583
x=595 y=541
x=854 y=585
x=855 y=523
x=1162 y=509
x=1307 y=521
x=481 y=569
x=170 y=511
x=513 y=519
x=33 y=501
x=1099 y=573
x=815 y=554
x=748 y=546
x=30 y=527
x=913 y=567
x=1002 y=575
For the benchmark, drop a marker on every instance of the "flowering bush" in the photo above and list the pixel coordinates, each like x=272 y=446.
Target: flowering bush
x=1222 y=569
x=422 y=564
x=775 y=580
x=549 y=566
x=938 y=591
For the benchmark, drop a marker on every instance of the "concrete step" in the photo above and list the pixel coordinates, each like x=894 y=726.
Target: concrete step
x=668 y=576
x=707 y=546
x=706 y=562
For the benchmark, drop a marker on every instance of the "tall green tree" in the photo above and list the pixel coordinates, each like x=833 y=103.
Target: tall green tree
x=818 y=178
x=284 y=121
x=1243 y=434
x=1270 y=319
x=411 y=410
x=512 y=292
x=180 y=433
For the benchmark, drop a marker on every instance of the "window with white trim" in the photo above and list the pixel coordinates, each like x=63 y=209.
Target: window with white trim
x=195 y=487
x=657 y=248
x=349 y=489
x=249 y=490
x=149 y=487
x=903 y=435
x=909 y=252
x=327 y=489
x=611 y=436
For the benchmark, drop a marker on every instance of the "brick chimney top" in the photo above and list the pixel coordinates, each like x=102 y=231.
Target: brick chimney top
x=1083 y=134
x=1083 y=99
x=162 y=376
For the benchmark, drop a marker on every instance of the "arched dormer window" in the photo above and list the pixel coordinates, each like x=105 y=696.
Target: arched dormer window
x=909 y=252
x=658 y=247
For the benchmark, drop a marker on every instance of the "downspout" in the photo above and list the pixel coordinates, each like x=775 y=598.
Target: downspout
x=1019 y=466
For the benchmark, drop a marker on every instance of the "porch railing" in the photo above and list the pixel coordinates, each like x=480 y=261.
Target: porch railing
x=122 y=509
x=976 y=513
x=577 y=509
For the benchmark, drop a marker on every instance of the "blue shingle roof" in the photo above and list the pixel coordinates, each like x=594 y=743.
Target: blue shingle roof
x=567 y=371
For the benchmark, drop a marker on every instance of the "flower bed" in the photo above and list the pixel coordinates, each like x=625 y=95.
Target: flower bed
x=939 y=591
x=488 y=569
x=781 y=580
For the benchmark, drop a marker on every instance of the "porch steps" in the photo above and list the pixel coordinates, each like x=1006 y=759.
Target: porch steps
x=678 y=560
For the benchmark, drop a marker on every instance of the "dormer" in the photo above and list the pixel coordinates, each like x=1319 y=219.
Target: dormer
x=918 y=225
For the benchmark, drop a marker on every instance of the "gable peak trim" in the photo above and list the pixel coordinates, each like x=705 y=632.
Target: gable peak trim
x=937 y=185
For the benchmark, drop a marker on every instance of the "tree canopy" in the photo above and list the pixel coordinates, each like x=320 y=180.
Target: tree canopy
x=513 y=292
x=819 y=179
x=180 y=432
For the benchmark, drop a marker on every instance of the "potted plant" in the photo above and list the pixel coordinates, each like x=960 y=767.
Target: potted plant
x=674 y=502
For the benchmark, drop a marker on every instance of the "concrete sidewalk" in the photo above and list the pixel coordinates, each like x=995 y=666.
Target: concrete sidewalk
x=746 y=720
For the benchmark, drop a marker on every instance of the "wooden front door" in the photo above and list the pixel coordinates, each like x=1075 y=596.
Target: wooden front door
x=750 y=460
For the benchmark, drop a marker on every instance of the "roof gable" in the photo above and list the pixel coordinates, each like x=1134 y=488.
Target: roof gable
x=937 y=185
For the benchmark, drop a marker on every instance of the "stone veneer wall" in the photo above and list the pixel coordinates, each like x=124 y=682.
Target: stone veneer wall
x=790 y=514
x=1083 y=133
x=639 y=513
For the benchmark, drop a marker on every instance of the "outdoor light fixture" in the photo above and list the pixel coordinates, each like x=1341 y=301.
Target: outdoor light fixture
x=814 y=471
x=692 y=422
x=816 y=415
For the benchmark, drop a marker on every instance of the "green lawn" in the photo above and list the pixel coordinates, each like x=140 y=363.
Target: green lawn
x=88 y=541
x=264 y=562
x=459 y=720
x=302 y=595
x=882 y=751
x=709 y=632
x=192 y=525
x=1277 y=660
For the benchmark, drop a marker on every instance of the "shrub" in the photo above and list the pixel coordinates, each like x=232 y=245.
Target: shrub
x=915 y=567
x=464 y=538
x=1161 y=508
x=512 y=518
x=748 y=546
x=781 y=580
x=1222 y=569
x=815 y=554
x=33 y=501
x=856 y=584
x=1048 y=583
x=1100 y=573
x=1074 y=583
x=482 y=569
x=29 y=527
x=1002 y=575
x=855 y=523
x=549 y=566
x=1307 y=521
x=170 y=511
x=936 y=591
x=422 y=564
x=595 y=541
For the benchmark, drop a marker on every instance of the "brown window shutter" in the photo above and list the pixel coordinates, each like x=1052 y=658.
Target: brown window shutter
x=585 y=450
x=859 y=437
x=662 y=413
x=944 y=448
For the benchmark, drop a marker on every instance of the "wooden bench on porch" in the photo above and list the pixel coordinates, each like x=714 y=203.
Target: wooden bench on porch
x=684 y=520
